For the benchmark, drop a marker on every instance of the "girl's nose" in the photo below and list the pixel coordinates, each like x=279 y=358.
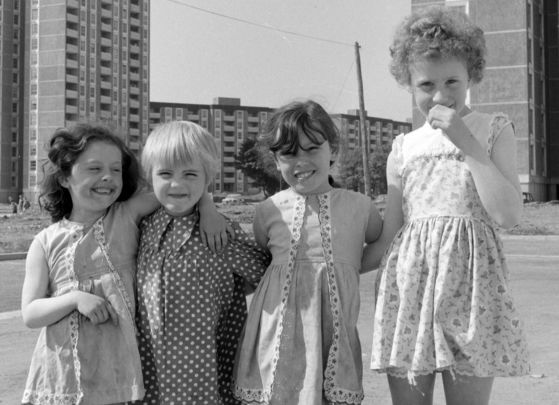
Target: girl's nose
x=439 y=97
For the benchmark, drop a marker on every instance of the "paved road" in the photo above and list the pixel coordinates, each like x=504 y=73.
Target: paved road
x=534 y=278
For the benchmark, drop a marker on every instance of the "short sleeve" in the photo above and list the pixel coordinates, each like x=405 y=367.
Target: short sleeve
x=397 y=154
x=498 y=126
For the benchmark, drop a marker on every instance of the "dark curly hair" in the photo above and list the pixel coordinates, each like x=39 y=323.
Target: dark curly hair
x=65 y=147
x=281 y=132
x=436 y=33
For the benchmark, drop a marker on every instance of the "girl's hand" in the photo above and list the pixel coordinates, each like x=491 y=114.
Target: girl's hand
x=96 y=309
x=214 y=229
x=213 y=226
x=450 y=122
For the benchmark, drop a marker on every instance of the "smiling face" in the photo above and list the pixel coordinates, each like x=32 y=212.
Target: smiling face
x=306 y=171
x=95 y=181
x=179 y=188
x=440 y=81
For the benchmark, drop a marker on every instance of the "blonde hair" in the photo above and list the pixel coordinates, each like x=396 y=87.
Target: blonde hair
x=178 y=142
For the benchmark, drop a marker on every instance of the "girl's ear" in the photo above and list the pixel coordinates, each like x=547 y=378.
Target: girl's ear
x=63 y=181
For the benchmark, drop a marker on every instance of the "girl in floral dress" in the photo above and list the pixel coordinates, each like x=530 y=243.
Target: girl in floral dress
x=300 y=344
x=191 y=302
x=443 y=302
x=80 y=272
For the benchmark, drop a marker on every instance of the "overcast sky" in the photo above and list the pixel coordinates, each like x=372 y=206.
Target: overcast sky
x=269 y=52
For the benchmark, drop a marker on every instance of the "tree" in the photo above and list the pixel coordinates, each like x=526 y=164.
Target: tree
x=350 y=172
x=351 y=169
x=259 y=165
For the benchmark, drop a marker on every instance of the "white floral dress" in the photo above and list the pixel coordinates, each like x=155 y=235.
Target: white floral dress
x=300 y=344
x=443 y=300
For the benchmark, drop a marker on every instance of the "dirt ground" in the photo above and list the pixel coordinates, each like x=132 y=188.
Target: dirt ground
x=534 y=279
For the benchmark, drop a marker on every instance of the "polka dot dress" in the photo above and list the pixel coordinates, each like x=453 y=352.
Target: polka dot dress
x=191 y=310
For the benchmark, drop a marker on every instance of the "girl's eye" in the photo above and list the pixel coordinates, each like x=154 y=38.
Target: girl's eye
x=163 y=174
x=426 y=86
x=94 y=169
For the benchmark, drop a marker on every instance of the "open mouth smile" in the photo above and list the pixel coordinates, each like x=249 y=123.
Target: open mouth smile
x=301 y=176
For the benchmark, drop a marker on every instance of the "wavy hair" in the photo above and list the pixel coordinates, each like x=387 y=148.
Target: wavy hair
x=437 y=33
x=65 y=147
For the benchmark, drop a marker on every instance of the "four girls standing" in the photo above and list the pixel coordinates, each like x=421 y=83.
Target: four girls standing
x=443 y=304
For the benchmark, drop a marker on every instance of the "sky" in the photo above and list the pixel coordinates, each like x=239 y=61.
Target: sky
x=270 y=52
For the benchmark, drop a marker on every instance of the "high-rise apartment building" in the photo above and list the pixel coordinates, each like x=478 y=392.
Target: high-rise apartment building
x=77 y=60
x=232 y=123
x=521 y=79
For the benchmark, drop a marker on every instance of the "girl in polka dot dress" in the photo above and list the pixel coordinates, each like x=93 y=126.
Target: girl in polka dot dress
x=191 y=302
x=79 y=277
x=300 y=344
x=443 y=303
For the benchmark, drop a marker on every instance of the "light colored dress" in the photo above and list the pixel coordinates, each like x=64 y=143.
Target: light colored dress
x=74 y=360
x=443 y=301
x=191 y=309
x=300 y=343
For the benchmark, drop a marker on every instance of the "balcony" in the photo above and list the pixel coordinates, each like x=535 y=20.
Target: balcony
x=105 y=70
x=71 y=33
x=72 y=18
x=72 y=64
x=72 y=49
x=70 y=78
x=71 y=109
x=105 y=100
x=106 y=13
x=105 y=114
x=73 y=94
x=134 y=8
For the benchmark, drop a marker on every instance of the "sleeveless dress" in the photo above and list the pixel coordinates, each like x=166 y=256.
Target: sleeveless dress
x=300 y=344
x=443 y=301
x=74 y=360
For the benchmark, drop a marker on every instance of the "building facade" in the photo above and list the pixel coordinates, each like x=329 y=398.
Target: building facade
x=78 y=60
x=521 y=79
x=379 y=131
x=232 y=123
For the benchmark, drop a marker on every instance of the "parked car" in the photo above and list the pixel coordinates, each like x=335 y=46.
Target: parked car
x=233 y=199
